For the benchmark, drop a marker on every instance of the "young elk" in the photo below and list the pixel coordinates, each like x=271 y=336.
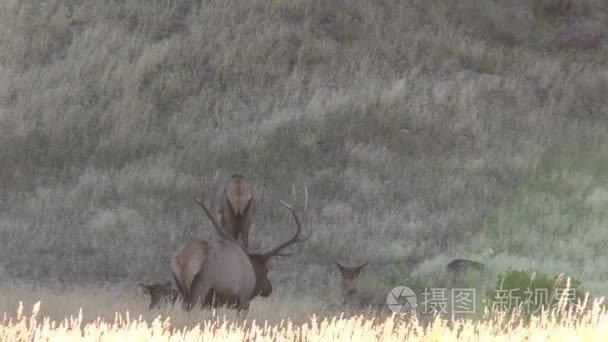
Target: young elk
x=460 y=269
x=354 y=299
x=226 y=267
x=349 y=280
x=463 y=265
x=160 y=294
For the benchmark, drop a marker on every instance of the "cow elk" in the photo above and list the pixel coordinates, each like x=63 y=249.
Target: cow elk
x=234 y=206
x=160 y=294
x=352 y=297
x=462 y=269
x=464 y=265
x=226 y=267
x=349 y=279
x=237 y=208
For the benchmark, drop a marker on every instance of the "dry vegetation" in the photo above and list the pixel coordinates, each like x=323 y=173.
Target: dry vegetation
x=559 y=325
x=424 y=129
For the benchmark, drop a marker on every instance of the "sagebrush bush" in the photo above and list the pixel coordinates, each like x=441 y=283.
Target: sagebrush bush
x=526 y=292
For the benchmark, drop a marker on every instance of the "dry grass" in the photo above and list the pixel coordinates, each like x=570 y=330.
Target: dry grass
x=557 y=325
x=437 y=118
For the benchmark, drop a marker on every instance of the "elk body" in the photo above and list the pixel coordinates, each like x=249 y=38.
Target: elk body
x=461 y=271
x=464 y=265
x=160 y=294
x=187 y=267
x=237 y=208
x=225 y=267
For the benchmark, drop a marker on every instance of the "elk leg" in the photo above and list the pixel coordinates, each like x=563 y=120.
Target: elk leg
x=192 y=299
x=199 y=292
x=242 y=309
x=245 y=237
x=212 y=300
x=183 y=292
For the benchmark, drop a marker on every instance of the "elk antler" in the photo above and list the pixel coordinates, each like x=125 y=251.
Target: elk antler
x=216 y=225
x=296 y=238
x=218 y=228
x=200 y=201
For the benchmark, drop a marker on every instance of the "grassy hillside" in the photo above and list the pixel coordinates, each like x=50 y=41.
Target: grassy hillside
x=556 y=221
x=113 y=114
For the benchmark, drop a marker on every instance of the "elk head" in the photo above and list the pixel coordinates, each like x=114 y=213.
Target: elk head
x=160 y=294
x=259 y=260
x=349 y=278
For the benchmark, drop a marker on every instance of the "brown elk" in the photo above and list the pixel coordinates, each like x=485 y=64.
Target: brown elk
x=353 y=298
x=463 y=265
x=349 y=279
x=462 y=269
x=237 y=208
x=226 y=267
x=160 y=294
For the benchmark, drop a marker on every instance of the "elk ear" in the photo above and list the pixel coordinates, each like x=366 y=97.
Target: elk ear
x=339 y=266
x=145 y=288
x=358 y=268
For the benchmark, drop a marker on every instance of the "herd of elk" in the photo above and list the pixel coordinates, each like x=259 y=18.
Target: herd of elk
x=234 y=273
x=224 y=271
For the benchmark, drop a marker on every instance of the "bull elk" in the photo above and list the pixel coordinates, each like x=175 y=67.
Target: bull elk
x=226 y=267
x=160 y=294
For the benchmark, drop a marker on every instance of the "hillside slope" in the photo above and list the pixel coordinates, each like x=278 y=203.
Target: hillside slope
x=409 y=121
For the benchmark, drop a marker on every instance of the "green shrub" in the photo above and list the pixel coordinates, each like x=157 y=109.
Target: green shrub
x=527 y=292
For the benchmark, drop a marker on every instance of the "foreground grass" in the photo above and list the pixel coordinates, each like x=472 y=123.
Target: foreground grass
x=103 y=302
x=589 y=325
x=90 y=313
